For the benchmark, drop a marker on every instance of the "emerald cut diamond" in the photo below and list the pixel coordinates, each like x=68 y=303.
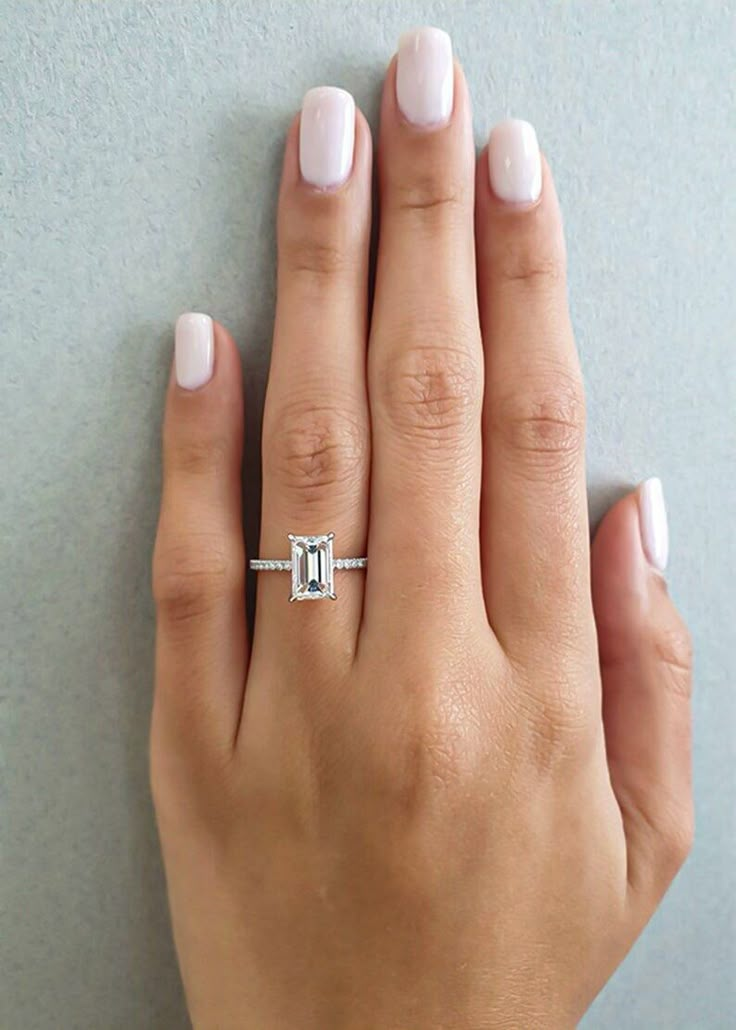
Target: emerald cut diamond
x=312 y=568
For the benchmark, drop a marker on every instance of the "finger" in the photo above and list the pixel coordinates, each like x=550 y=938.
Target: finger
x=425 y=359
x=534 y=511
x=646 y=670
x=198 y=567
x=315 y=430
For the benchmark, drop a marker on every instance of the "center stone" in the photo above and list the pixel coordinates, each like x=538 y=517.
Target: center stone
x=312 y=574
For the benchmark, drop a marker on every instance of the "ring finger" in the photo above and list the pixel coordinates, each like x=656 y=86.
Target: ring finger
x=315 y=430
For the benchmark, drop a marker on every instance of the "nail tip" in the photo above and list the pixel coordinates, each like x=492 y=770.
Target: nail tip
x=515 y=162
x=327 y=137
x=193 y=317
x=652 y=482
x=427 y=32
x=653 y=522
x=514 y=126
x=193 y=349
x=324 y=92
x=425 y=77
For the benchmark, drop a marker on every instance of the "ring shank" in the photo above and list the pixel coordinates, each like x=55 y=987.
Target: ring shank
x=284 y=564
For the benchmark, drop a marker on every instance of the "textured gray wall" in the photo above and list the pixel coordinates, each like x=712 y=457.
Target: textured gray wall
x=139 y=157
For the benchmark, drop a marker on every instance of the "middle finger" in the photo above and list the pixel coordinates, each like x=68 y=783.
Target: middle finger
x=425 y=373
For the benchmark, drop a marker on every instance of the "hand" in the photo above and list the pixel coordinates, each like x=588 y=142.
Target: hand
x=455 y=795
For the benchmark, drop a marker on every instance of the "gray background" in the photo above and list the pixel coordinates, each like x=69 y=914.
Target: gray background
x=139 y=158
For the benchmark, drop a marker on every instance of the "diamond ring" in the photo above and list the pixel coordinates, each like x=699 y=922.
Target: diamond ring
x=312 y=567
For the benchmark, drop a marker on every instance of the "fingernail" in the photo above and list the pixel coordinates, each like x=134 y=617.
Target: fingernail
x=653 y=523
x=425 y=76
x=326 y=136
x=514 y=162
x=194 y=350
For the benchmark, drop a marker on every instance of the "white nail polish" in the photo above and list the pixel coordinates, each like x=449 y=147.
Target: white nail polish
x=514 y=162
x=653 y=523
x=194 y=350
x=326 y=136
x=425 y=76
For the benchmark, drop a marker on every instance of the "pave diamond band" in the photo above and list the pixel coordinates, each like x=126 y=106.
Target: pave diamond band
x=312 y=567
x=270 y=565
x=349 y=563
x=284 y=564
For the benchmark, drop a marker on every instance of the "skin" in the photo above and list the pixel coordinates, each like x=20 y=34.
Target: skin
x=453 y=798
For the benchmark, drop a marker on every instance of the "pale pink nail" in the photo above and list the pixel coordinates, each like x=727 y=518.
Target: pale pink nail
x=194 y=350
x=326 y=136
x=514 y=162
x=653 y=523
x=425 y=76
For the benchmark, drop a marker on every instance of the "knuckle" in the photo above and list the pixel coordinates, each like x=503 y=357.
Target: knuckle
x=543 y=418
x=211 y=793
x=202 y=454
x=431 y=762
x=435 y=747
x=318 y=258
x=675 y=835
x=313 y=448
x=192 y=576
x=553 y=717
x=682 y=840
x=320 y=243
x=428 y=763
x=560 y=728
x=430 y=192
x=531 y=266
x=661 y=827
x=674 y=651
x=432 y=392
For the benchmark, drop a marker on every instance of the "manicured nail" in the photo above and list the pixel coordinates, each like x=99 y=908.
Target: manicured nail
x=425 y=76
x=514 y=163
x=194 y=350
x=653 y=523
x=326 y=136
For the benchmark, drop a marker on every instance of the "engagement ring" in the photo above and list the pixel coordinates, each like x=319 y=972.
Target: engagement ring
x=312 y=567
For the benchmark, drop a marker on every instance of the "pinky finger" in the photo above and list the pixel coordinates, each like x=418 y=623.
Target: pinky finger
x=199 y=561
x=646 y=667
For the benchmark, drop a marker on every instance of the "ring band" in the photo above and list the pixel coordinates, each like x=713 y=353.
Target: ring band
x=312 y=566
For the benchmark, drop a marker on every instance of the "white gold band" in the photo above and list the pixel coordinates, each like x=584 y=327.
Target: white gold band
x=284 y=564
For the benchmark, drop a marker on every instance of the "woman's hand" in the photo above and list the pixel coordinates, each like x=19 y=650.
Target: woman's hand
x=454 y=796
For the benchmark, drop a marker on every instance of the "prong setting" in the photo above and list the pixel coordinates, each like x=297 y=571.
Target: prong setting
x=312 y=566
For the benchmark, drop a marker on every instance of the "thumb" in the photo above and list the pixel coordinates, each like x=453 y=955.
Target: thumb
x=646 y=670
